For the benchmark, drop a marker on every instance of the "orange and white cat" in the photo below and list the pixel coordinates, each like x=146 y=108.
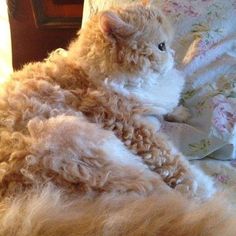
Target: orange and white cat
x=80 y=147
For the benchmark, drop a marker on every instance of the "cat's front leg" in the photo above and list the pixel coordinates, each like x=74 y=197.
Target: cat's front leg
x=185 y=178
x=180 y=114
x=161 y=157
x=80 y=152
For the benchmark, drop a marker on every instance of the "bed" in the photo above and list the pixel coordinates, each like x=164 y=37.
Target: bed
x=205 y=46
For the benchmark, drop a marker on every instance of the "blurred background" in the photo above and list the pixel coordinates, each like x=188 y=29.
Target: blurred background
x=37 y=27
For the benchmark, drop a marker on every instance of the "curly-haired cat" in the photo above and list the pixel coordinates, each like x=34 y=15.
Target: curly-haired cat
x=80 y=147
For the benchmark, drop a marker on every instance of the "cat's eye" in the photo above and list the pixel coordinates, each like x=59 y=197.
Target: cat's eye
x=162 y=46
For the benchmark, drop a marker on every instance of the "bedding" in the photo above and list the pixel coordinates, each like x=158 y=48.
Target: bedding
x=205 y=51
x=205 y=48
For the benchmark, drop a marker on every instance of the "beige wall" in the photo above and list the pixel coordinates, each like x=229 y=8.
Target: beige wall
x=92 y=6
x=5 y=43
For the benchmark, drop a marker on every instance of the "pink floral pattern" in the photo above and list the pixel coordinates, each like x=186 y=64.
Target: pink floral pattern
x=223 y=174
x=224 y=114
x=223 y=179
x=179 y=8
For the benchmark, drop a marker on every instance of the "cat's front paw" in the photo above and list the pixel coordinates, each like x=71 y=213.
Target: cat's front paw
x=199 y=188
x=180 y=114
x=187 y=187
x=205 y=187
x=190 y=189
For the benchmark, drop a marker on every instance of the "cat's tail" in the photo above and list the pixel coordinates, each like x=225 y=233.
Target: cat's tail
x=49 y=213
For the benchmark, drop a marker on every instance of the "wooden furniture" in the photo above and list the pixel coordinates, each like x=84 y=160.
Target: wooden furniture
x=40 y=26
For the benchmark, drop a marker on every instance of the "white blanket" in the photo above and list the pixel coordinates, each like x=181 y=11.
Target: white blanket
x=206 y=53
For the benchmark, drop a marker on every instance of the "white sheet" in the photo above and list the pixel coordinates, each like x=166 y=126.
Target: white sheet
x=205 y=48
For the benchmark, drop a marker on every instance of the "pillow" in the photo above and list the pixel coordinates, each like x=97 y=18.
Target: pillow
x=205 y=46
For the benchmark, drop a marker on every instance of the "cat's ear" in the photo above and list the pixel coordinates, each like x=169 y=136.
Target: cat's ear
x=113 y=26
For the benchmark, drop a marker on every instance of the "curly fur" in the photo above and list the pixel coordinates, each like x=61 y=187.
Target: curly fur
x=80 y=148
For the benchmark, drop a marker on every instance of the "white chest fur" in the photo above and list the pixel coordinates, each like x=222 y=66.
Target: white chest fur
x=161 y=94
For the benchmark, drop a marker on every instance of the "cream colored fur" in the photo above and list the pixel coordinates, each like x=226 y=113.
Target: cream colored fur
x=80 y=147
x=48 y=212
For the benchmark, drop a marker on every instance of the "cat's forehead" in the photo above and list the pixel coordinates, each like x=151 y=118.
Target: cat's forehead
x=149 y=21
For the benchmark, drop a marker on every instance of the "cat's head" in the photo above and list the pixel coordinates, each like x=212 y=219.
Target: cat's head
x=128 y=49
x=134 y=39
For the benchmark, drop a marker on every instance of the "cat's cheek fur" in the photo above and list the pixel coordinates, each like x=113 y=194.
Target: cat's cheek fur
x=164 y=63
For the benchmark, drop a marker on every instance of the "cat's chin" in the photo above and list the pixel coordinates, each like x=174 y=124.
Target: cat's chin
x=165 y=68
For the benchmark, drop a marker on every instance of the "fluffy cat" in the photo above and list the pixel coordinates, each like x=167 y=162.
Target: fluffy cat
x=128 y=82
x=80 y=134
